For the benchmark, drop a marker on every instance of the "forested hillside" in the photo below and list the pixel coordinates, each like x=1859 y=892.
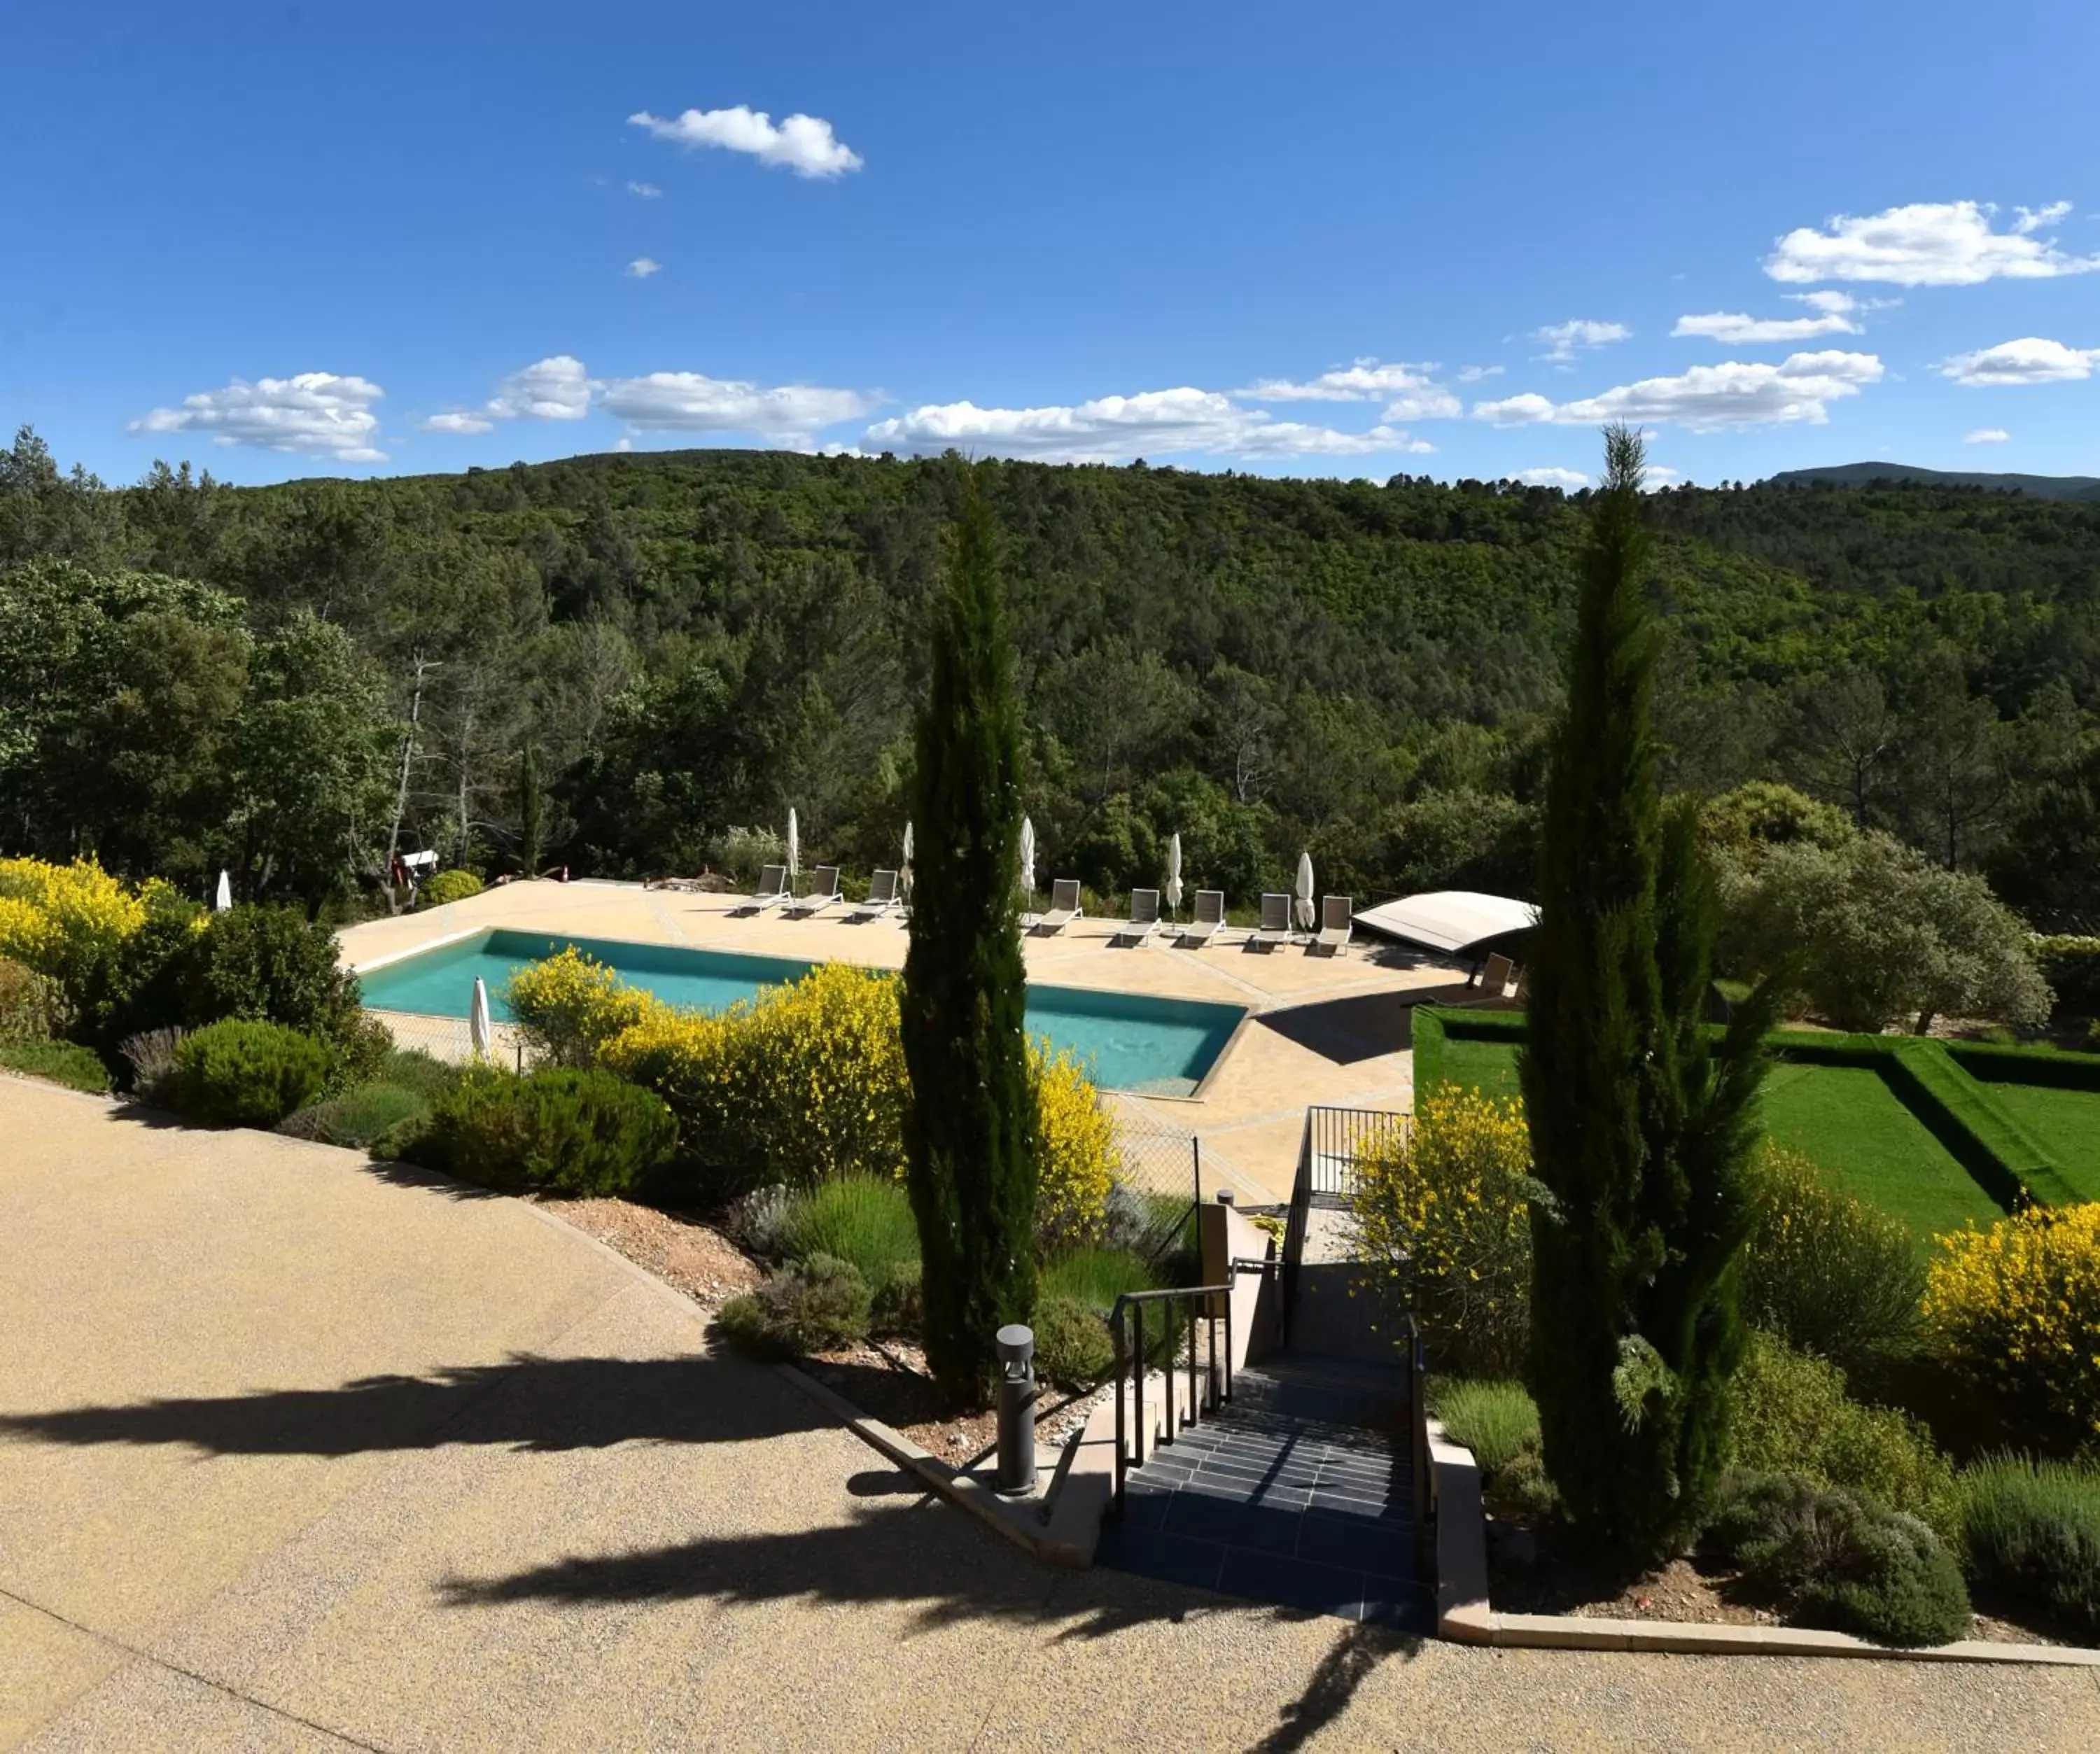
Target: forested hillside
x=612 y=661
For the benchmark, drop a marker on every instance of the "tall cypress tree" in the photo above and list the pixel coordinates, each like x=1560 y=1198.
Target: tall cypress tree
x=1642 y=1123
x=969 y=1132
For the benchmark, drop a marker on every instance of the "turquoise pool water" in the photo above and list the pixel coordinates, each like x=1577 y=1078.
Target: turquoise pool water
x=1162 y=1047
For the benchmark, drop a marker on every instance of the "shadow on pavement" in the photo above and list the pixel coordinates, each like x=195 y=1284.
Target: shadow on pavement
x=527 y=1402
x=1356 y=1653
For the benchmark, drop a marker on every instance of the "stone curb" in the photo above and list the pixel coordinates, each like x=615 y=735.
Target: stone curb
x=1465 y=1616
x=954 y=1484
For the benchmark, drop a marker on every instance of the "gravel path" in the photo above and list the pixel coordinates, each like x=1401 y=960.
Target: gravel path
x=296 y=1453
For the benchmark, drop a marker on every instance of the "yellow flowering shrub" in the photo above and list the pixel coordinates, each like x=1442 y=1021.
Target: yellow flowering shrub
x=803 y=1083
x=1442 y=1208
x=1076 y=1159
x=568 y=1007
x=65 y=921
x=2017 y=1307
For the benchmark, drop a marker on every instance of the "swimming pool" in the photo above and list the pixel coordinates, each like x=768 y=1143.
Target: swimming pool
x=1159 y=1046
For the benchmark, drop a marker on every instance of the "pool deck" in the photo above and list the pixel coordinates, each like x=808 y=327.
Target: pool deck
x=1321 y=1030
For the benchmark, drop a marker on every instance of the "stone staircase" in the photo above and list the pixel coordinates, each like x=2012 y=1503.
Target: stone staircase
x=1296 y=1492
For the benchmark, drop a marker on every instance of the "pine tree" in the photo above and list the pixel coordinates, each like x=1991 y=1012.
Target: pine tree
x=532 y=812
x=969 y=1134
x=1642 y=1122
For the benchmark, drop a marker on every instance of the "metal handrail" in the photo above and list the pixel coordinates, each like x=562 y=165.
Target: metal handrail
x=1126 y=1322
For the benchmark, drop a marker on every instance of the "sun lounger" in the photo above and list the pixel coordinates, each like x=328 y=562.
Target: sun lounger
x=772 y=888
x=1064 y=905
x=1275 y=927
x=881 y=896
x=1143 y=917
x=1494 y=985
x=1336 y=913
x=822 y=894
x=1210 y=917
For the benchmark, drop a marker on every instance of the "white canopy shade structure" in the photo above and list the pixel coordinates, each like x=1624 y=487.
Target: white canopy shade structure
x=1028 y=859
x=1303 y=891
x=1174 y=872
x=224 y=900
x=480 y=1031
x=904 y=873
x=1455 y=922
x=794 y=848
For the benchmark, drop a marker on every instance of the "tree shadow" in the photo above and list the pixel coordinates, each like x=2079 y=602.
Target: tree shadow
x=1347 y=1030
x=1354 y=1654
x=889 y=1553
x=526 y=1403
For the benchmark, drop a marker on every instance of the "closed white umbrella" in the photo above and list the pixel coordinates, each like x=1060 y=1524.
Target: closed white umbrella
x=224 y=899
x=905 y=875
x=480 y=1031
x=1305 y=890
x=794 y=850
x=1028 y=859
x=1174 y=872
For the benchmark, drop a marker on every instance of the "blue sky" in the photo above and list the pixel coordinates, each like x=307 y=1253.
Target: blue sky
x=284 y=239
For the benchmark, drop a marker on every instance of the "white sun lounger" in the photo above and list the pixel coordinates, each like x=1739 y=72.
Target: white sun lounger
x=821 y=896
x=1336 y=913
x=881 y=896
x=772 y=888
x=1143 y=917
x=1064 y=905
x=1275 y=927
x=1210 y=917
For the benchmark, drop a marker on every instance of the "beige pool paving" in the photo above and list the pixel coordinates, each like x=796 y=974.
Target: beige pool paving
x=1322 y=1029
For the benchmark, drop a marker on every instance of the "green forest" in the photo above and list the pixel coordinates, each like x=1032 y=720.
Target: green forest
x=612 y=662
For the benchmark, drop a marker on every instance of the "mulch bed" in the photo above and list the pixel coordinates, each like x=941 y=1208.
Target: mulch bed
x=885 y=1379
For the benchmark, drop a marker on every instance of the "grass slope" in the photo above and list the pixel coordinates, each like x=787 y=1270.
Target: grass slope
x=2066 y=1123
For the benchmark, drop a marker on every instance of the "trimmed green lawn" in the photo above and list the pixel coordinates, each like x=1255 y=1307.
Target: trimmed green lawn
x=2065 y=1123
x=1848 y=1121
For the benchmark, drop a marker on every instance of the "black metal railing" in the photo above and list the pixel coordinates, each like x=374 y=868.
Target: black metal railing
x=1421 y=1474
x=1338 y=1139
x=1210 y=1383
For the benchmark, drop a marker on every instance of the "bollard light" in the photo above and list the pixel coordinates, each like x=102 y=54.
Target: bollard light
x=1016 y=1408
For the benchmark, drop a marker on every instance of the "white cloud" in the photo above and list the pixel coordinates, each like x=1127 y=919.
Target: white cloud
x=457 y=423
x=642 y=266
x=804 y=144
x=313 y=414
x=647 y=191
x=1564 y=341
x=1114 y=429
x=690 y=401
x=2029 y=360
x=1987 y=435
x=1569 y=478
x=1406 y=389
x=1472 y=374
x=554 y=388
x=1654 y=475
x=1708 y=398
x=1834 y=313
x=1927 y=243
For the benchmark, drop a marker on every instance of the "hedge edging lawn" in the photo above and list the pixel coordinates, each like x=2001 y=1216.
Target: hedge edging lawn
x=1932 y=1079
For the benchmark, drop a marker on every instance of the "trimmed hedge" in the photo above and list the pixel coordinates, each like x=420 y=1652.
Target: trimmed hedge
x=2052 y=1066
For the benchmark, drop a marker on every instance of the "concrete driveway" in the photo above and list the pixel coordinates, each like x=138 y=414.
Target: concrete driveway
x=298 y=1454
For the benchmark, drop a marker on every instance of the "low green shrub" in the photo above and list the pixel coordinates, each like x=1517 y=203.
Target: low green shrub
x=1095 y=1277
x=858 y=1219
x=1072 y=1345
x=1792 y=1414
x=1841 y=1562
x=815 y=1306
x=27 y=1002
x=1827 y=1272
x=574 y=1132
x=1497 y=1420
x=410 y=1068
x=358 y=1119
x=237 y=1072
x=898 y=1305
x=442 y=887
x=2033 y=1530
x=66 y=1063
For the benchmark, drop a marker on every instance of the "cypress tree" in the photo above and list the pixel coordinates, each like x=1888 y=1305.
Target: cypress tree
x=969 y=1131
x=1641 y=1121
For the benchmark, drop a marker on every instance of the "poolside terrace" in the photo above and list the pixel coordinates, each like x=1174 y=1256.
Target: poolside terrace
x=1322 y=1028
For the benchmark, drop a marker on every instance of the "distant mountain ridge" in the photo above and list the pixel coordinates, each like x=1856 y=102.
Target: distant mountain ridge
x=1864 y=474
